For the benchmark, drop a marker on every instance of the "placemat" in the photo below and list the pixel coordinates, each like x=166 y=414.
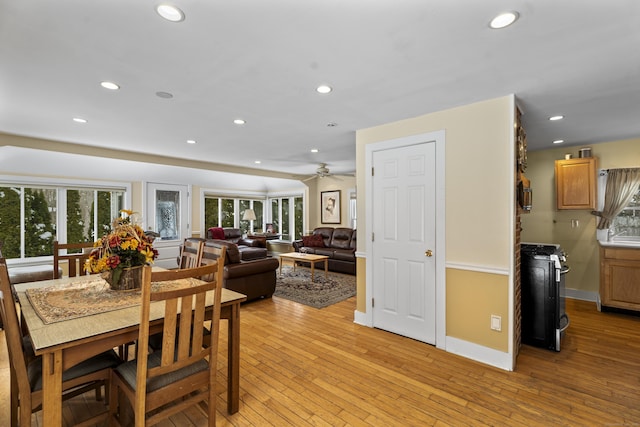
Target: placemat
x=87 y=297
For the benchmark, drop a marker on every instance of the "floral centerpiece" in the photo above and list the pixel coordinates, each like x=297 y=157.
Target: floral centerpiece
x=118 y=252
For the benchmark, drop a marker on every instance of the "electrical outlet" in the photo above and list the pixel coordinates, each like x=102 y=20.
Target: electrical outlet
x=575 y=223
x=496 y=322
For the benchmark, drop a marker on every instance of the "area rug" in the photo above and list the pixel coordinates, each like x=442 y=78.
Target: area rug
x=297 y=286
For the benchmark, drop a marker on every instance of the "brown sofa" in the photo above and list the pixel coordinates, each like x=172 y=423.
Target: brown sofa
x=256 y=278
x=339 y=244
x=249 y=248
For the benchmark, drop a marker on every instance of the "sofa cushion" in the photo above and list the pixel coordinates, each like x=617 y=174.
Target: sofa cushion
x=216 y=233
x=233 y=253
x=326 y=233
x=232 y=234
x=341 y=238
x=248 y=253
x=325 y=251
x=344 y=255
x=313 y=241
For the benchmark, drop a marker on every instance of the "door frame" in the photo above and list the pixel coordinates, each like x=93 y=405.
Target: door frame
x=438 y=137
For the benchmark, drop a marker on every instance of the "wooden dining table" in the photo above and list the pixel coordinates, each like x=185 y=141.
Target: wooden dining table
x=63 y=344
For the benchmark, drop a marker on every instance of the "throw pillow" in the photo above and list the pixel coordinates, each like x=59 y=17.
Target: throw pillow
x=217 y=233
x=313 y=241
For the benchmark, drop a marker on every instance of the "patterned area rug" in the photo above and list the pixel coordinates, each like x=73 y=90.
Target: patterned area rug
x=297 y=286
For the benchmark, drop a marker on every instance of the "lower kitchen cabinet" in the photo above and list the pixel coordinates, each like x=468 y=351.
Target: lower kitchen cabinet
x=620 y=277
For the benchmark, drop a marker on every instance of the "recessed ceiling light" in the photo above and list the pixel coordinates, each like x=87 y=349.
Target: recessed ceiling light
x=332 y=124
x=170 y=13
x=109 y=85
x=257 y=162
x=554 y=118
x=165 y=95
x=503 y=20
x=239 y=121
x=191 y=141
x=314 y=150
x=79 y=120
x=558 y=141
x=324 y=89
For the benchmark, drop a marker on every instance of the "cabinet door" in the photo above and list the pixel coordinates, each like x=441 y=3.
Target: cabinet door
x=621 y=284
x=576 y=183
x=167 y=215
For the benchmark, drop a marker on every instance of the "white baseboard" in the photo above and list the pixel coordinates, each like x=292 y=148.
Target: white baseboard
x=479 y=353
x=582 y=295
x=360 y=318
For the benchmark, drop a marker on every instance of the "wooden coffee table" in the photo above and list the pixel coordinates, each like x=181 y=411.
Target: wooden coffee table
x=310 y=258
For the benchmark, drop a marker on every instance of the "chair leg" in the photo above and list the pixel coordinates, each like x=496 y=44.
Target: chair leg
x=14 y=397
x=113 y=401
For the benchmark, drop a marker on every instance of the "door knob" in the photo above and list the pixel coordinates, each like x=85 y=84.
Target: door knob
x=428 y=252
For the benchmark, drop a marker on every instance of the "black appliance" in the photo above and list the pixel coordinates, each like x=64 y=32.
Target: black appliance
x=544 y=318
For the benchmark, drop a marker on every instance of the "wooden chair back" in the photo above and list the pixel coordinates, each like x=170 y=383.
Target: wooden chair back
x=17 y=360
x=190 y=254
x=212 y=253
x=183 y=372
x=23 y=397
x=69 y=252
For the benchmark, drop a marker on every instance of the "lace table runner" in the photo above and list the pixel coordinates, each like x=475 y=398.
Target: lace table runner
x=87 y=297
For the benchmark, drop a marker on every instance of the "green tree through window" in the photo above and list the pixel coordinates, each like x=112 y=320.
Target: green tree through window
x=39 y=228
x=10 y=221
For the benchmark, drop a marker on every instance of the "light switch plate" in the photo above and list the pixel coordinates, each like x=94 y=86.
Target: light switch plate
x=496 y=322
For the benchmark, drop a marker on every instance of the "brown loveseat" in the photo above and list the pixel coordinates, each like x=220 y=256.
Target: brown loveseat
x=339 y=244
x=256 y=278
x=249 y=248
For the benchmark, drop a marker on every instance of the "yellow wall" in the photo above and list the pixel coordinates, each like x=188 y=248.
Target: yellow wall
x=479 y=167
x=464 y=286
x=330 y=183
x=548 y=225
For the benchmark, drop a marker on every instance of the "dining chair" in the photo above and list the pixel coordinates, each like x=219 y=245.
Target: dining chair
x=212 y=252
x=183 y=372
x=26 y=372
x=190 y=253
x=68 y=252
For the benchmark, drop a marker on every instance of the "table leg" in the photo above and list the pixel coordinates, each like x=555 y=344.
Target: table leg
x=313 y=269
x=280 y=266
x=52 y=389
x=326 y=267
x=233 y=368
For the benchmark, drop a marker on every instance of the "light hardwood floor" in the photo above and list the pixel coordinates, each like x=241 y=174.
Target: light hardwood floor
x=302 y=366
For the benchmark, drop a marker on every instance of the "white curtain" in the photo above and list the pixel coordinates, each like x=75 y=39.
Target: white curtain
x=622 y=185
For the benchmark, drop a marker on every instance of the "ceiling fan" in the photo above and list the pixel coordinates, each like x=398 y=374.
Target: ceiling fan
x=323 y=171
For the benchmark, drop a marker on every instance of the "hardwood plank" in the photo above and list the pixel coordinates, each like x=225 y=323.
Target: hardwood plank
x=310 y=367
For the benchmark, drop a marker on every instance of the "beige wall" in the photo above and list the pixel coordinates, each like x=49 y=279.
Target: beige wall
x=329 y=183
x=479 y=167
x=548 y=225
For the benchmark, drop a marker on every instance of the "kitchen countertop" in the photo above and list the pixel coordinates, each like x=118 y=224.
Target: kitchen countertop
x=620 y=244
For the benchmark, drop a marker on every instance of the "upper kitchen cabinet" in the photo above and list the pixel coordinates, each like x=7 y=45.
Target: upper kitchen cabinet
x=576 y=183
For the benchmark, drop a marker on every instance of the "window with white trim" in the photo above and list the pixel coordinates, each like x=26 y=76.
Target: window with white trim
x=627 y=223
x=33 y=215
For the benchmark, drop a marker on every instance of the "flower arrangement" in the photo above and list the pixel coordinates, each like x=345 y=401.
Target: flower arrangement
x=126 y=246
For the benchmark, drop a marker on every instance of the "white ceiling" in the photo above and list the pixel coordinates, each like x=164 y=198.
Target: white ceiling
x=262 y=60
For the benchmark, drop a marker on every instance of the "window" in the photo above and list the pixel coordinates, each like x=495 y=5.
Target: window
x=287 y=216
x=627 y=223
x=228 y=212
x=352 y=209
x=32 y=216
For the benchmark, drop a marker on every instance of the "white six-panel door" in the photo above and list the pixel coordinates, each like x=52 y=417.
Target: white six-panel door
x=403 y=247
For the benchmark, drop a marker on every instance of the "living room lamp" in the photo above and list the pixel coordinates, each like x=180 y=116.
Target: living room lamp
x=249 y=215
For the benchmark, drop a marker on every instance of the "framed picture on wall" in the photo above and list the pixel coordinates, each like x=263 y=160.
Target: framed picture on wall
x=330 y=207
